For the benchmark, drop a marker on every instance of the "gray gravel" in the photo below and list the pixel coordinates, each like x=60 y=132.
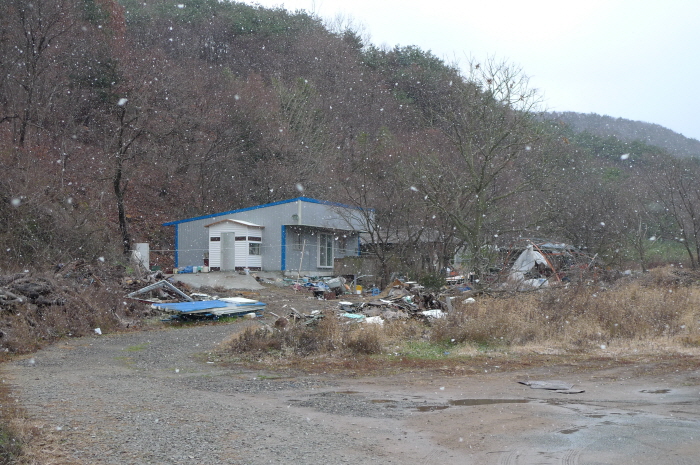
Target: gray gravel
x=157 y=397
x=160 y=397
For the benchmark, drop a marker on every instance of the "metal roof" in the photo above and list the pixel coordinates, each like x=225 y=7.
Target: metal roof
x=229 y=220
x=281 y=202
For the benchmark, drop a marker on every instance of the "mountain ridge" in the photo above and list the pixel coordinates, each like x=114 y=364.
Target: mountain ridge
x=628 y=130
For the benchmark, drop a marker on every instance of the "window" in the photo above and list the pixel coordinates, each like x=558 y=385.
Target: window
x=298 y=241
x=254 y=248
x=325 y=250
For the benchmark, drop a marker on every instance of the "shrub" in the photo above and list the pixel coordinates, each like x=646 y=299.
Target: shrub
x=432 y=281
x=327 y=336
x=367 y=341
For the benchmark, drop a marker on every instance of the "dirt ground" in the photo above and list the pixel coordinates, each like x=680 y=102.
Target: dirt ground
x=163 y=396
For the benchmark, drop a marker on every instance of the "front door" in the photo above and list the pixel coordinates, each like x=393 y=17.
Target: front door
x=228 y=251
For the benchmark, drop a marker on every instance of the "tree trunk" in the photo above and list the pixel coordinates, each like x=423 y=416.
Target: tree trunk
x=119 y=190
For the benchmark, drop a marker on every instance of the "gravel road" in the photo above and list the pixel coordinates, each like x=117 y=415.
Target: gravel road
x=159 y=397
x=153 y=398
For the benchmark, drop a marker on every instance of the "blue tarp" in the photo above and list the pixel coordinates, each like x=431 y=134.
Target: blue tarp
x=193 y=306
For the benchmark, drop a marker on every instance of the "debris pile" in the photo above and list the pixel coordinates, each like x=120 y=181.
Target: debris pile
x=135 y=283
x=309 y=319
x=535 y=263
x=161 y=292
x=20 y=289
x=70 y=300
x=399 y=300
x=215 y=308
x=166 y=297
x=322 y=288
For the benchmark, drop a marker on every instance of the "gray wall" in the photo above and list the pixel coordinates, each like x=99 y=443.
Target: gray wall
x=304 y=239
x=192 y=238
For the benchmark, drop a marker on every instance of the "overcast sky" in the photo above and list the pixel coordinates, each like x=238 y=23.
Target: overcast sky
x=635 y=59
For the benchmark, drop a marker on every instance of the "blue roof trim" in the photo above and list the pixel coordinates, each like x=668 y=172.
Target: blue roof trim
x=281 y=202
x=177 y=247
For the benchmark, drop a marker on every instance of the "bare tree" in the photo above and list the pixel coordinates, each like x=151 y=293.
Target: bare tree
x=675 y=185
x=490 y=153
x=30 y=77
x=392 y=214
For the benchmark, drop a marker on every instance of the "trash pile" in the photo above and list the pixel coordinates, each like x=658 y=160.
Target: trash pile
x=58 y=288
x=72 y=299
x=399 y=300
x=322 y=288
x=532 y=264
x=22 y=288
x=167 y=298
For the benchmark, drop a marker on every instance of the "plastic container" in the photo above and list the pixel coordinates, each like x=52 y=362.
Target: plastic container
x=358 y=289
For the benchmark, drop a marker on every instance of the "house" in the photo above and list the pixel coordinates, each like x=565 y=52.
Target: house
x=296 y=236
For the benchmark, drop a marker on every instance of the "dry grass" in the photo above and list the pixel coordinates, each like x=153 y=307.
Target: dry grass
x=67 y=309
x=27 y=441
x=579 y=318
x=329 y=335
x=56 y=307
x=657 y=315
x=16 y=432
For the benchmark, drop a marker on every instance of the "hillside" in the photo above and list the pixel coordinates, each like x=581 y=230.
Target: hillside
x=628 y=131
x=119 y=116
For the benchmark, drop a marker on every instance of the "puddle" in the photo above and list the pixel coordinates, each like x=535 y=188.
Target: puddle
x=595 y=415
x=656 y=391
x=570 y=430
x=381 y=401
x=555 y=402
x=346 y=392
x=470 y=402
x=431 y=408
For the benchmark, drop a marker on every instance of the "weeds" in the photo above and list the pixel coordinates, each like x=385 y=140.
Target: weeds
x=328 y=336
x=11 y=444
x=425 y=350
x=575 y=319
x=136 y=348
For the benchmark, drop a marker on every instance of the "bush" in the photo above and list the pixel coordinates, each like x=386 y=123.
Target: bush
x=432 y=281
x=326 y=337
x=367 y=341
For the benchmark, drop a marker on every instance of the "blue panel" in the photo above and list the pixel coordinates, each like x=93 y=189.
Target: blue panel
x=283 y=241
x=193 y=306
x=188 y=307
x=177 y=240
